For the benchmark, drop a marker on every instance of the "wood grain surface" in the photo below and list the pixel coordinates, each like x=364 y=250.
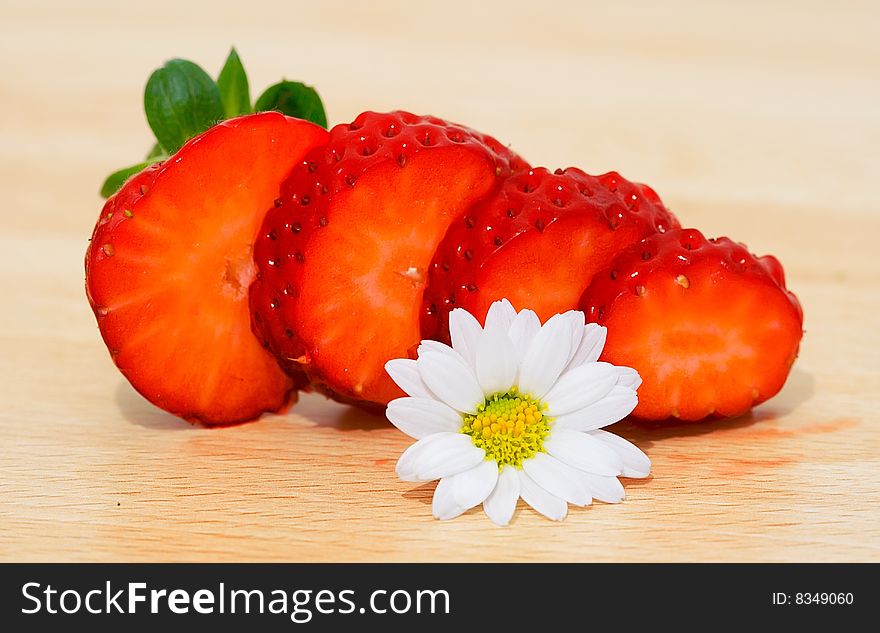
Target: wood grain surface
x=758 y=120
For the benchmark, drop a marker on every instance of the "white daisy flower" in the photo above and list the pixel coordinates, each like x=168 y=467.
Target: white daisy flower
x=515 y=409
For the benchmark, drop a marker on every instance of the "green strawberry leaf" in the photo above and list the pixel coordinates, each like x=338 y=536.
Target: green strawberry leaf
x=117 y=178
x=293 y=99
x=156 y=153
x=181 y=100
x=233 y=85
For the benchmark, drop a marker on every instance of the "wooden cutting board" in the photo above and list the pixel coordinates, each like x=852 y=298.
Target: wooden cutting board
x=759 y=122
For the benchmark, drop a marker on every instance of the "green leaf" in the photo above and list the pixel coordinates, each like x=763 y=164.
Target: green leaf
x=181 y=100
x=293 y=99
x=117 y=178
x=233 y=84
x=156 y=153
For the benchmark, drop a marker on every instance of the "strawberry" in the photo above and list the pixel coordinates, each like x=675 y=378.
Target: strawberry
x=537 y=241
x=343 y=256
x=170 y=262
x=711 y=328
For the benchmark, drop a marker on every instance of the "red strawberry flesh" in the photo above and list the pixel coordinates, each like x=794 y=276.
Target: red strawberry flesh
x=537 y=241
x=343 y=258
x=170 y=263
x=711 y=329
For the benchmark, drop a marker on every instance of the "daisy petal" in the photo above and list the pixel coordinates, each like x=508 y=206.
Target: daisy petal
x=557 y=478
x=576 y=320
x=591 y=345
x=580 y=387
x=607 y=489
x=420 y=417
x=501 y=504
x=616 y=405
x=496 y=361
x=471 y=487
x=437 y=456
x=584 y=452
x=542 y=501
x=405 y=373
x=628 y=377
x=443 y=504
x=464 y=330
x=450 y=378
x=635 y=463
x=546 y=357
x=428 y=345
x=501 y=315
x=404 y=466
x=523 y=330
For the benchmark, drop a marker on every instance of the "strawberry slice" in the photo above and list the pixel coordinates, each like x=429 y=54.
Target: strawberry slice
x=711 y=328
x=537 y=241
x=170 y=263
x=343 y=258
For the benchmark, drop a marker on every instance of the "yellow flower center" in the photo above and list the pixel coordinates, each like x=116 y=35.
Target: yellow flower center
x=510 y=427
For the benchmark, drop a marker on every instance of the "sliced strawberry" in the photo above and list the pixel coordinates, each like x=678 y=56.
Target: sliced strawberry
x=343 y=257
x=170 y=263
x=711 y=328
x=537 y=241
